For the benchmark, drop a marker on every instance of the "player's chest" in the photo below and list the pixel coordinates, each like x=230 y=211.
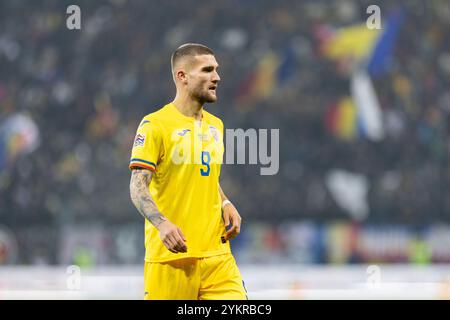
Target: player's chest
x=195 y=143
x=195 y=133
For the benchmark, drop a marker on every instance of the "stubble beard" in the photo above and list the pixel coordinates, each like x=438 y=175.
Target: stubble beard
x=204 y=97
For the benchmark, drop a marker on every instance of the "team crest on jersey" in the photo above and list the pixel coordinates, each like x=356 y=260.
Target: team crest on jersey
x=139 y=140
x=214 y=133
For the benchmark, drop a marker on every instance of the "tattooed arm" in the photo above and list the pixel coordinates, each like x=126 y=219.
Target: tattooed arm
x=140 y=196
x=170 y=234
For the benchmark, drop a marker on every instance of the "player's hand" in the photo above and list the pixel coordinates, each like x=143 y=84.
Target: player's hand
x=231 y=215
x=172 y=237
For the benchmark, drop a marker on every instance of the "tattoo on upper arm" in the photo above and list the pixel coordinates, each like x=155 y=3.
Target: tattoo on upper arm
x=141 y=198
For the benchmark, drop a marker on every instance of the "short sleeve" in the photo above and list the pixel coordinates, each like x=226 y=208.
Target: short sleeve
x=147 y=146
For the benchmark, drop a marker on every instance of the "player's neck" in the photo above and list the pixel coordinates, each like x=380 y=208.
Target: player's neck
x=188 y=107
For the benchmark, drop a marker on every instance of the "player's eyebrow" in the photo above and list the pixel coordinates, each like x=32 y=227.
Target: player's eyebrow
x=209 y=68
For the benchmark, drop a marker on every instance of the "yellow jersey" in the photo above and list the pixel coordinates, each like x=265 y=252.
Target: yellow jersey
x=185 y=156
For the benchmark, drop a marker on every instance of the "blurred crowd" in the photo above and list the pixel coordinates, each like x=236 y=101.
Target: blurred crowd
x=87 y=90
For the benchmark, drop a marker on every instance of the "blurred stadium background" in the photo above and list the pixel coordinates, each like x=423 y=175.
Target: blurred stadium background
x=364 y=143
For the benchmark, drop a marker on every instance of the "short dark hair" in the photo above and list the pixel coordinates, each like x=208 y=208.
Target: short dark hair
x=189 y=49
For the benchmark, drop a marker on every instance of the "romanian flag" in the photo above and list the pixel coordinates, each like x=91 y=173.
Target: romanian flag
x=373 y=47
x=341 y=119
x=355 y=42
x=271 y=72
x=358 y=115
x=372 y=53
x=260 y=83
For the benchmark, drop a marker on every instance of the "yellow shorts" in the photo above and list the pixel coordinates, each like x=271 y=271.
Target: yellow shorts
x=210 y=278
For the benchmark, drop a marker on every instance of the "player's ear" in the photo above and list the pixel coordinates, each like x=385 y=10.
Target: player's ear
x=180 y=75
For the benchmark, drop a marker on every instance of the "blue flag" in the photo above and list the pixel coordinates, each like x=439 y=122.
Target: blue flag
x=382 y=55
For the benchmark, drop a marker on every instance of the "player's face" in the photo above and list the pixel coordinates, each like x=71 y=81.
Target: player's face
x=203 y=79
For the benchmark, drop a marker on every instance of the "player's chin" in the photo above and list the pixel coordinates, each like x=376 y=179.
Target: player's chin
x=207 y=97
x=210 y=97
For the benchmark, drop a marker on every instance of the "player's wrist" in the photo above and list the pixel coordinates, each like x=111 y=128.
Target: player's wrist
x=160 y=221
x=225 y=202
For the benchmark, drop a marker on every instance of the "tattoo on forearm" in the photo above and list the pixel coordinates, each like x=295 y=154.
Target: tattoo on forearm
x=140 y=196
